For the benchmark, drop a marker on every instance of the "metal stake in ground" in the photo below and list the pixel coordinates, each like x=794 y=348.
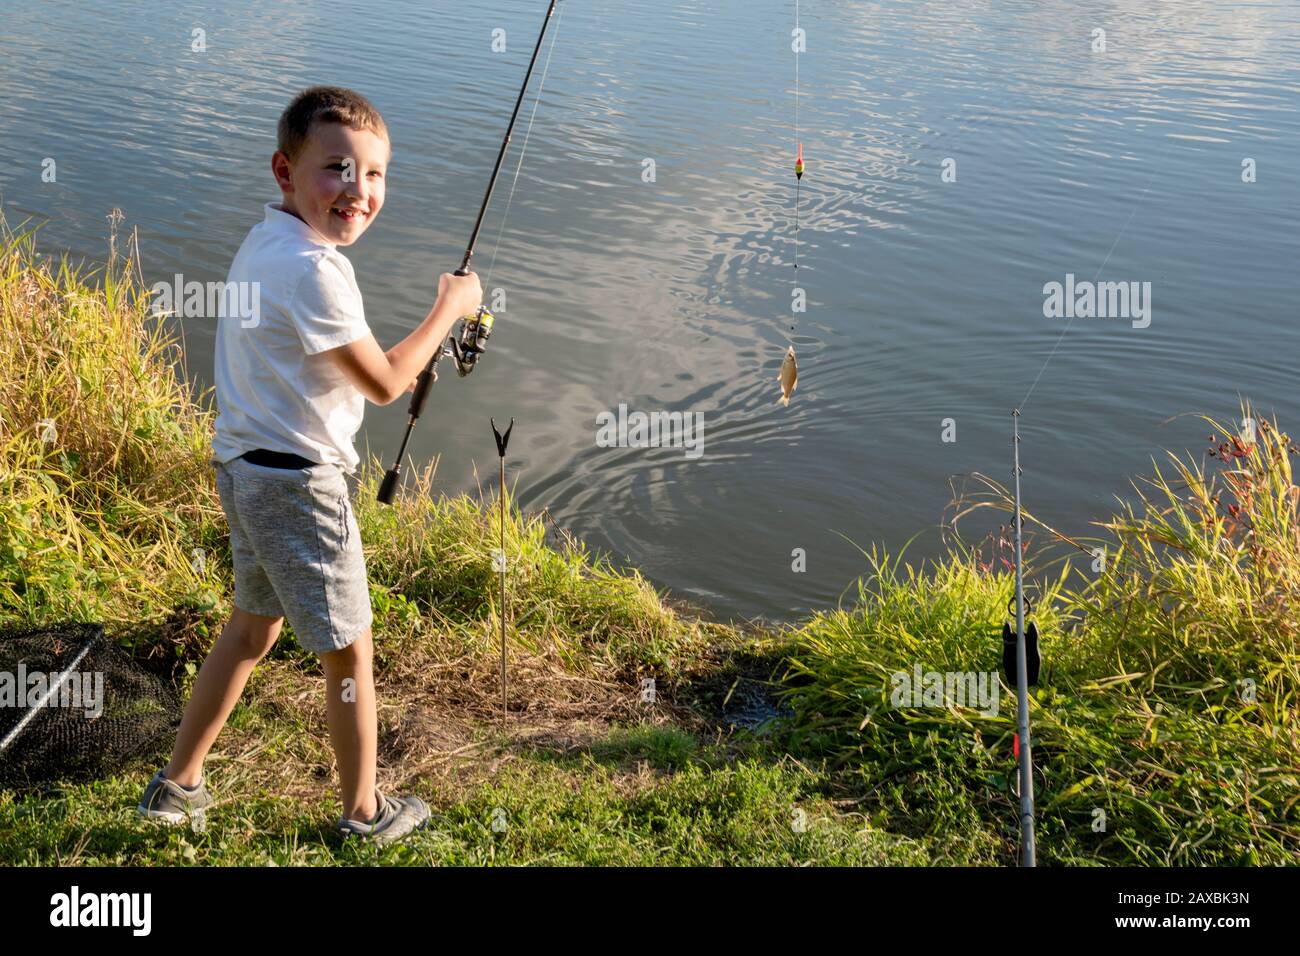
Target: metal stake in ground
x=1028 y=854
x=502 y=441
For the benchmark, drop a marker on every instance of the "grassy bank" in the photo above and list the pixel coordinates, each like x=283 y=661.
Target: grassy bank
x=1166 y=712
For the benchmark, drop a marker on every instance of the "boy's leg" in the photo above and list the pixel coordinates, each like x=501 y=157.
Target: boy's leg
x=350 y=712
x=244 y=641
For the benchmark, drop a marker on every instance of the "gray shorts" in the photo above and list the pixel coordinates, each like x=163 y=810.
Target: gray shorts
x=297 y=550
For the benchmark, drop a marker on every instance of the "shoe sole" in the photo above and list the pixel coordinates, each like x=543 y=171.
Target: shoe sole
x=382 y=839
x=196 y=819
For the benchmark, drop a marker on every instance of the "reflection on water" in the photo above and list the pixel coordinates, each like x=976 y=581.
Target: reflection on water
x=925 y=297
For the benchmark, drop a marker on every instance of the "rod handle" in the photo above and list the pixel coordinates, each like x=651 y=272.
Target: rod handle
x=389 y=485
x=423 y=382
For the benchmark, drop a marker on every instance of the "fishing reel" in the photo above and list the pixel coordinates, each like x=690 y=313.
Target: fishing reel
x=470 y=340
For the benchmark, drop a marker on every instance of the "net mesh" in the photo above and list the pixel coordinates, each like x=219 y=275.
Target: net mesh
x=74 y=706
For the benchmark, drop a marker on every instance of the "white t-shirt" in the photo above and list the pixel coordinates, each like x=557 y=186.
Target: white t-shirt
x=274 y=389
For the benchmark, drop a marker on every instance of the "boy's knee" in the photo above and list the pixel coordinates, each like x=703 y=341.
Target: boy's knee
x=256 y=633
x=358 y=653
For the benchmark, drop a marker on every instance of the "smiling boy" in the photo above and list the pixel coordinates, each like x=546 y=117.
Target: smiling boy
x=292 y=382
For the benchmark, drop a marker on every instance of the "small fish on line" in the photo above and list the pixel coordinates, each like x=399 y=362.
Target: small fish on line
x=788 y=377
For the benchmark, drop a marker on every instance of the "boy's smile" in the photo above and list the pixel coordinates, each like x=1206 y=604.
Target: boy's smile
x=336 y=182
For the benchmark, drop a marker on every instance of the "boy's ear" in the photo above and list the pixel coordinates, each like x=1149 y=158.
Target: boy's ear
x=281 y=168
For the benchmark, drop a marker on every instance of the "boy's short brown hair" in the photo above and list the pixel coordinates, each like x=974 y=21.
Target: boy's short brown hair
x=325 y=104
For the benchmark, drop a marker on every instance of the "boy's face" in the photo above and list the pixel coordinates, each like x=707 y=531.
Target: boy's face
x=336 y=183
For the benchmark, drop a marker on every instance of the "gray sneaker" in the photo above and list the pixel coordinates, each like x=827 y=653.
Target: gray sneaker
x=168 y=801
x=398 y=817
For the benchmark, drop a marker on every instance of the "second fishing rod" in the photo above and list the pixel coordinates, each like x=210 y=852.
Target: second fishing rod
x=470 y=340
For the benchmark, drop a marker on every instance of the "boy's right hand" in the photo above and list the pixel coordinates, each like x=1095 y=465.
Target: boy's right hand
x=462 y=294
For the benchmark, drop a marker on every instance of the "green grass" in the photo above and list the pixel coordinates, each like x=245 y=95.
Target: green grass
x=1167 y=709
x=679 y=805
x=1168 y=700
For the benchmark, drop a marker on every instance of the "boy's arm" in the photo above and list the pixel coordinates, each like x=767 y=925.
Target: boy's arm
x=383 y=377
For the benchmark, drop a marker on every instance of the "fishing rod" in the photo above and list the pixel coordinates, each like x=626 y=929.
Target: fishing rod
x=470 y=341
x=1025 y=653
x=1028 y=853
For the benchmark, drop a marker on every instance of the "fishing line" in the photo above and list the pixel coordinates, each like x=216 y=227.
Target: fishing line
x=799 y=161
x=1057 y=345
x=546 y=68
x=788 y=376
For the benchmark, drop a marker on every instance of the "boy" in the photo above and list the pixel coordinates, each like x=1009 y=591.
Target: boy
x=292 y=379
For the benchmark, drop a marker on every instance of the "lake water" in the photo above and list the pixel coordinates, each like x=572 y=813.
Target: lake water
x=925 y=297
